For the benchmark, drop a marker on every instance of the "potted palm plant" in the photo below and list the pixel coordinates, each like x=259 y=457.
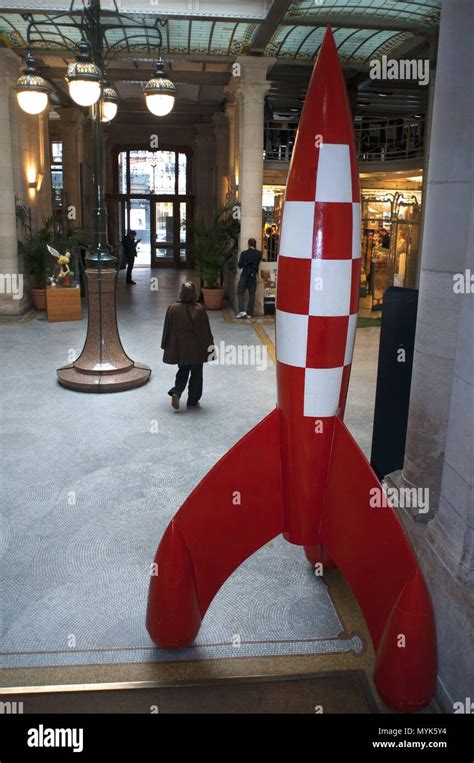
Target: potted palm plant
x=212 y=246
x=33 y=247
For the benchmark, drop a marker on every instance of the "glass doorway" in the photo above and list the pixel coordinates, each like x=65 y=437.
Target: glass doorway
x=137 y=217
x=152 y=199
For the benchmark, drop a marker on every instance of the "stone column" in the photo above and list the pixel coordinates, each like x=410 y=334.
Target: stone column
x=412 y=280
x=448 y=203
x=252 y=89
x=10 y=268
x=222 y=162
x=452 y=531
x=232 y=148
x=72 y=136
x=204 y=168
x=439 y=448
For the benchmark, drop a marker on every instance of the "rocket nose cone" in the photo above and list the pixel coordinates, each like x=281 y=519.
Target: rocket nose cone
x=326 y=99
x=326 y=118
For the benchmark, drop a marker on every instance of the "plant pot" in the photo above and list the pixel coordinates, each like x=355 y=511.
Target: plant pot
x=213 y=298
x=39 y=299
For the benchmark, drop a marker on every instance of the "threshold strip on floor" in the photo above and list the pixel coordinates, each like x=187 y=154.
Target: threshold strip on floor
x=30 y=316
x=258 y=328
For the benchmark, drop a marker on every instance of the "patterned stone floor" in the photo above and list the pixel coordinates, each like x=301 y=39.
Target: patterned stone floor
x=88 y=484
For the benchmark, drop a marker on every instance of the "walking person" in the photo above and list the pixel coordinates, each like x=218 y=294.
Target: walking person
x=187 y=341
x=130 y=252
x=249 y=261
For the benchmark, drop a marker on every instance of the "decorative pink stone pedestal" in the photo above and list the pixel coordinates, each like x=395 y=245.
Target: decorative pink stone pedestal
x=103 y=365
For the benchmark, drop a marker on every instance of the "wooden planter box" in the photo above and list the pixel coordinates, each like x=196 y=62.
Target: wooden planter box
x=63 y=303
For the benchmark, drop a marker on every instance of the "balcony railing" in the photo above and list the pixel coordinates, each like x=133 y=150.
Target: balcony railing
x=390 y=139
x=279 y=141
x=377 y=140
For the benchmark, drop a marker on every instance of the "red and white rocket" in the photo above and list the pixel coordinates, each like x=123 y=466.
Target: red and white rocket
x=299 y=472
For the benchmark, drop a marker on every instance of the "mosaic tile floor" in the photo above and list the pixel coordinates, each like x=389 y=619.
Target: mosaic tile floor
x=89 y=483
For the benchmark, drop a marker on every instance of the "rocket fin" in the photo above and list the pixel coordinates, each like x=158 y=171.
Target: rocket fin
x=370 y=548
x=234 y=510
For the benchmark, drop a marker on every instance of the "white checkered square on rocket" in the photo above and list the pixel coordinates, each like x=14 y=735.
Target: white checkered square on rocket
x=297 y=230
x=334 y=178
x=322 y=389
x=330 y=290
x=291 y=338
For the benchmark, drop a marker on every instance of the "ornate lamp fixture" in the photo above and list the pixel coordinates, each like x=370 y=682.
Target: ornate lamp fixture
x=160 y=92
x=84 y=78
x=31 y=89
x=103 y=365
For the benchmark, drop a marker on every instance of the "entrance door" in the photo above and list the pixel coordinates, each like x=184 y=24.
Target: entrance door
x=138 y=218
x=152 y=199
x=171 y=233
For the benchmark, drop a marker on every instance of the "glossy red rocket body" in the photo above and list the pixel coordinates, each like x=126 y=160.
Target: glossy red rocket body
x=318 y=292
x=299 y=472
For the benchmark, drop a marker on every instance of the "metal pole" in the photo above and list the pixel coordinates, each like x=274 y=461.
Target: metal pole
x=103 y=365
x=101 y=254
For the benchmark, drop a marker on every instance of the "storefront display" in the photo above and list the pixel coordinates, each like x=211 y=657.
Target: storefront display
x=272 y=206
x=390 y=234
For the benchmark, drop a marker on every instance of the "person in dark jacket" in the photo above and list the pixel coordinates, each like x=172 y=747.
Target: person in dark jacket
x=130 y=252
x=187 y=341
x=249 y=261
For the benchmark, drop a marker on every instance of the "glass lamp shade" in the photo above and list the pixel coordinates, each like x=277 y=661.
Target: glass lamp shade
x=32 y=101
x=108 y=104
x=84 y=81
x=31 y=89
x=84 y=92
x=159 y=104
x=108 y=110
x=160 y=92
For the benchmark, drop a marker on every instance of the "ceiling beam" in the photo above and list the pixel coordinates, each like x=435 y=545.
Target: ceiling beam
x=136 y=106
x=179 y=77
x=265 y=31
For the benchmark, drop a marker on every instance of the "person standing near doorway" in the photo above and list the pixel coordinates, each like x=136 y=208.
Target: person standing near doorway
x=130 y=252
x=187 y=341
x=249 y=262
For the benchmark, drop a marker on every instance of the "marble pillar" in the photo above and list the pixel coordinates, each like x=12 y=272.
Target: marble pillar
x=72 y=136
x=446 y=223
x=9 y=265
x=221 y=131
x=24 y=180
x=452 y=531
x=204 y=170
x=439 y=448
x=251 y=92
x=232 y=149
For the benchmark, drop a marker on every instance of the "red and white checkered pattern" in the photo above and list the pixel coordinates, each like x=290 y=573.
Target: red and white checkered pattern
x=318 y=280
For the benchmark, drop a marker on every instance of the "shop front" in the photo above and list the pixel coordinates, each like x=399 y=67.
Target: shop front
x=390 y=238
x=390 y=235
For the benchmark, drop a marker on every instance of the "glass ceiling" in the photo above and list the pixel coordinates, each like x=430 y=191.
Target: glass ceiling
x=353 y=44
x=135 y=34
x=298 y=37
x=420 y=11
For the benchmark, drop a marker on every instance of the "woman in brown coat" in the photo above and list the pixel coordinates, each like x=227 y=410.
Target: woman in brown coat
x=187 y=341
